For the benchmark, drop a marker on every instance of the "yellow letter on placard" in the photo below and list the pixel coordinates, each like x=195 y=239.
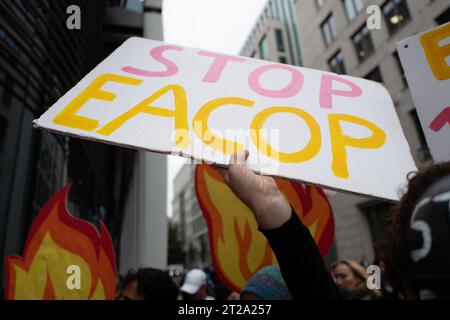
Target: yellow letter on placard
x=437 y=54
x=179 y=113
x=202 y=131
x=340 y=141
x=68 y=118
x=307 y=153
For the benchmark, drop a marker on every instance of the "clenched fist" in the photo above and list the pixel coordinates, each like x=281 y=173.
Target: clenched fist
x=260 y=193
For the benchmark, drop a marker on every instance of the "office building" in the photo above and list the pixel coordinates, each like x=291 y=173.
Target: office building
x=188 y=220
x=334 y=37
x=274 y=36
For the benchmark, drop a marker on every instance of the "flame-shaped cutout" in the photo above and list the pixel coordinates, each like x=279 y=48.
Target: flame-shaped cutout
x=56 y=241
x=238 y=249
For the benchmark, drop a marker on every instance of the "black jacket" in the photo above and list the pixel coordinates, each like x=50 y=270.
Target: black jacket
x=300 y=261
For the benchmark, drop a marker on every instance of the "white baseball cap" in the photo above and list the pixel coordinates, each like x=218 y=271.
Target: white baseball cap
x=193 y=281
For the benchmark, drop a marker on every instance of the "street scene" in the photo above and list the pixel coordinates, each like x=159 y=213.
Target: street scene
x=224 y=150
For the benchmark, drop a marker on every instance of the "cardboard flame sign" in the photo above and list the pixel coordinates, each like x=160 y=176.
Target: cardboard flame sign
x=237 y=248
x=56 y=241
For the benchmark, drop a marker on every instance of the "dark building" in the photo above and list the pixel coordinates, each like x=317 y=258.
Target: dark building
x=40 y=60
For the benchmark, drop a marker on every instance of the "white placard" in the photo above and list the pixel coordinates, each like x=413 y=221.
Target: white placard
x=335 y=131
x=426 y=60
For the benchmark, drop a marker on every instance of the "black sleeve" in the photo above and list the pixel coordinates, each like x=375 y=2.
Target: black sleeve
x=300 y=261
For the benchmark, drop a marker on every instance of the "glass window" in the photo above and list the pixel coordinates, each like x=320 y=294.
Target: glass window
x=3 y=125
x=264 y=48
x=133 y=5
x=320 y=3
x=352 y=8
x=329 y=30
x=195 y=208
x=375 y=75
x=377 y=213
x=424 y=151
x=204 y=248
x=336 y=63
x=282 y=60
x=279 y=39
x=400 y=68
x=8 y=86
x=199 y=224
x=182 y=215
x=396 y=14
x=443 y=17
x=363 y=43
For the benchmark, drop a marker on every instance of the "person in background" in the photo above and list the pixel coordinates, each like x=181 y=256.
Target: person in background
x=216 y=287
x=148 y=284
x=388 y=280
x=351 y=279
x=298 y=256
x=266 y=284
x=418 y=236
x=195 y=286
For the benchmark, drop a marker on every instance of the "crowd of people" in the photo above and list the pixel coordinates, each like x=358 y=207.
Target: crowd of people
x=414 y=259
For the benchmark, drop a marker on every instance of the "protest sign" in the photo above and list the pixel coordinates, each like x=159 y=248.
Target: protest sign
x=426 y=60
x=326 y=129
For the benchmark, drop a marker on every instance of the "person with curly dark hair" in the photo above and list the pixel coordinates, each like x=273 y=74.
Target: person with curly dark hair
x=148 y=284
x=415 y=255
x=418 y=236
x=388 y=288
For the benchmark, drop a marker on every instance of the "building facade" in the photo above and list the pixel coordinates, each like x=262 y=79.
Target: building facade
x=274 y=36
x=143 y=220
x=188 y=220
x=334 y=37
x=40 y=60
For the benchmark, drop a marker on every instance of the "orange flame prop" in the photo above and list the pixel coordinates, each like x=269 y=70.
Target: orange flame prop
x=56 y=241
x=238 y=249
